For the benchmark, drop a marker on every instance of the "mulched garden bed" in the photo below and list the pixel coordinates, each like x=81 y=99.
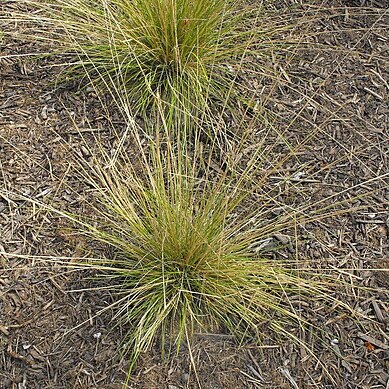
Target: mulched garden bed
x=43 y=345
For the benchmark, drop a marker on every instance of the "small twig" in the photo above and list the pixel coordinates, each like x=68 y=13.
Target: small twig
x=370 y=221
x=22 y=358
x=373 y=93
x=85 y=130
x=378 y=312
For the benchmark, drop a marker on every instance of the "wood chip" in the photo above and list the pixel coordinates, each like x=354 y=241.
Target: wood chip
x=376 y=342
x=378 y=312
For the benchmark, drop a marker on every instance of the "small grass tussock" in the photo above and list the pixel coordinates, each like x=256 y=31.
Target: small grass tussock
x=188 y=54
x=183 y=258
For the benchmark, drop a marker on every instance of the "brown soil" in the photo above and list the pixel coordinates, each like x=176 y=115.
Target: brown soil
x=50 y=336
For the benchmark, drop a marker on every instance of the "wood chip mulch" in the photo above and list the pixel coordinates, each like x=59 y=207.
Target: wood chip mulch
x=43 y=345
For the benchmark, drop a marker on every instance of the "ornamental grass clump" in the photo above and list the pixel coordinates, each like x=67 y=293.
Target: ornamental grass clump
x=184 y=248
x=180 y=240
x=189 y=54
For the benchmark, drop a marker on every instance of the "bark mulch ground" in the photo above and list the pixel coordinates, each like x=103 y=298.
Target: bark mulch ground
x=49 y=335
